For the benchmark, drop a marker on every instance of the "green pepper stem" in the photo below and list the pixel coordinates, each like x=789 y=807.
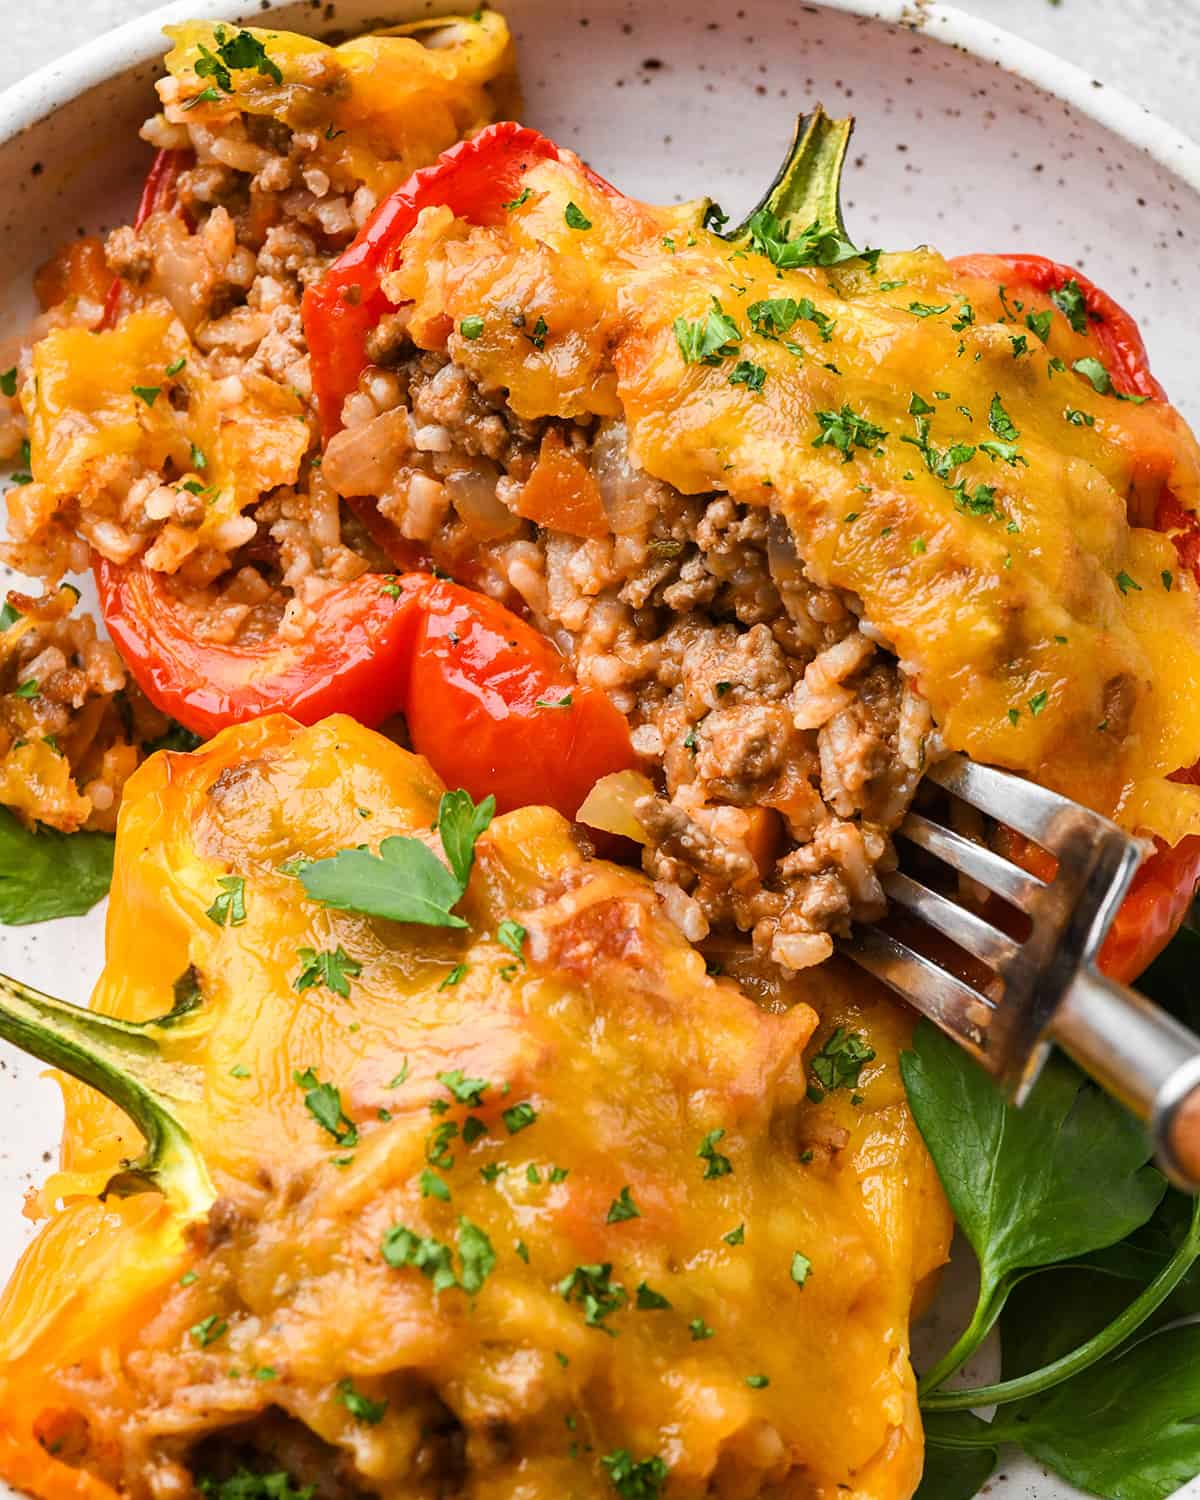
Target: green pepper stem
x=123 y=1060
x=1110 y=1338
x=807 y=187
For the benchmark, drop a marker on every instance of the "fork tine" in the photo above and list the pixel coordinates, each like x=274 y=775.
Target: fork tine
x=961 y=926
x=1021 y=804
x=973 y=860
x=946 y=1000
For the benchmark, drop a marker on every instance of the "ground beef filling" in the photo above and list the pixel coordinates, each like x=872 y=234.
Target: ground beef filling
x=783 y=742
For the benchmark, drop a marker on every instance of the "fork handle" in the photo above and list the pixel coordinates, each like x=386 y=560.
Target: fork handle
x=1142 y=1056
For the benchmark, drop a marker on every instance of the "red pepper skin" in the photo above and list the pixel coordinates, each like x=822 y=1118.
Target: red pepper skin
x=465 y=671
x=1124 y=352
x=481 y=706
x=159 y=195
x=350 y=660
x=1165 y=886
x=474 y=179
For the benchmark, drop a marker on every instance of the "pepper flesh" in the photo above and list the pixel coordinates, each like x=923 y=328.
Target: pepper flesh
x=487 y=698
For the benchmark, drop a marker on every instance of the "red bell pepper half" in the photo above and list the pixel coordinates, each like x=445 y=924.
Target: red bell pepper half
x=487 y=698
x=475 y=180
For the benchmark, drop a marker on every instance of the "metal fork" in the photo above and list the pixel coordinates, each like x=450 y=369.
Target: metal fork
x=1047 y=987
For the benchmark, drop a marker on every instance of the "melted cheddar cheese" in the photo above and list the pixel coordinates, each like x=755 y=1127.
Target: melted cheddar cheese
x=127 y=1344
x=1050 y=629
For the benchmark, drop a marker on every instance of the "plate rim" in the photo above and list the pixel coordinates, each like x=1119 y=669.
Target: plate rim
x=24 y=105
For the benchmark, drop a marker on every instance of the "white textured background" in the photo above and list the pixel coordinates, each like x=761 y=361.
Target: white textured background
x=1148 y=48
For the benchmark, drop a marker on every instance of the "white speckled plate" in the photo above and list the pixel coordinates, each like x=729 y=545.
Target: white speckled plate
x=967 y=138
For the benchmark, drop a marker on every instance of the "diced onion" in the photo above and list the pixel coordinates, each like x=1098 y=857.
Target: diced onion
x=610 y=803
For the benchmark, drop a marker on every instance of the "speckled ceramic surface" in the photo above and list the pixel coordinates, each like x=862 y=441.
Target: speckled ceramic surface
x=966 y=138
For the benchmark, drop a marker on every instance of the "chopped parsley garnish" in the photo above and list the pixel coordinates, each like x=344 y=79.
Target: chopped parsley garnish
x=239 y=1070
x=774 y=316
x=477 y=1258
x=522 y=1250
x=401 y=1076
x=735 y=1236
x=176 y=365
x=520 y=200
x=473 y=1130
x=840 y=1061
x=1168 y=580
x=1038 y=702
x=333 y=970
x=208 y=1330
x=746 y=373
x=927 y=309
x=229 y=909
x=576 y=218
x=1079 y=418
x=1039 y=323
x=1000 y=422
x=433 y=1186
x=758 y=1382
x=593 y=1288
x=647 y=1299
x=918 y=406
x=709 y=340
x=146 y=393
x=8 y=381
x=812 y=246
x=406 y=881
x=519 y=1117
x=623 y=1207
x=360 y=1407
x=715 y=1165
x=456 y=976
x=242 y=51
x=28 y=689
x=699 y=1329
x=559 y=1174
x=437 y=1152
x=472 y=327
x=199 y=462
x=435 y=1259
x=966 y=316
x=801 y=1266
x=512 y=935
x=1020 y=345
x=564 y=702
x=538 y=337
x=1125 y=583
x=1069 y=300
x=324 y=1102
x=640 y=1480
x=467 y=1091
x=847 y=430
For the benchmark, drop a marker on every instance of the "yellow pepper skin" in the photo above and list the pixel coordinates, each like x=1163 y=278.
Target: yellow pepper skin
x=1050 y=628
x=628 y=1055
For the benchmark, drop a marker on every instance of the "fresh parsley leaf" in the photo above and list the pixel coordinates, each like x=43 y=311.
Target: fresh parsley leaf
x=593 y=1288
x=477 y=1258
x=333 y=970
x=1094 y=372
x=640 y=1480
x=709 y=340
x=847 y=430
x=1070 y=301
x=576 y=218
x=716 y=1165
x=467 y=1091
x=1030 y=1187
x=841 y=1060
x=229 y=909
x=434 y=1259
x=1000 y=422
x=623 y=1207
x=519 y=1117
x=460 y=823
x=324 y=1102
x=360 y=1407
x=814 y=245
x=46 y=874
x=747 y=373
x=405 y=882
x=1039 y=323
